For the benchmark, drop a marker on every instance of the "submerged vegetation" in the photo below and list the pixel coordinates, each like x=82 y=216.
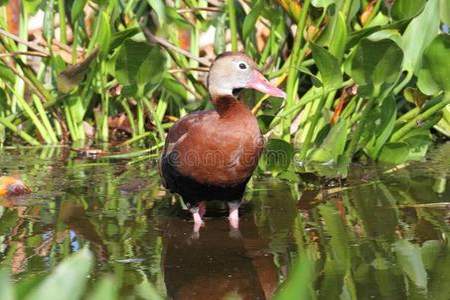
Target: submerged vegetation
x=364 y=79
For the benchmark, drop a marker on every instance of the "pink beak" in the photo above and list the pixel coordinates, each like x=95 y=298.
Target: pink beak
x=260 y=83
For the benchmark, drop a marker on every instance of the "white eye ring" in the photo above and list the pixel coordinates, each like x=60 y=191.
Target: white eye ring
x=242 y=66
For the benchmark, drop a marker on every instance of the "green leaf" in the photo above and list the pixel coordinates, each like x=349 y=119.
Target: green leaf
x=251 y=18
x=6 y=286
x=333 y=145
x=376 y=64
x=219 y=35
x=328 y=66
x=105 y=289
x=277 y=156
x=117 y=38
x=384 y=124
x=77 y=9
x=102 y=36
x=436 y=64
x=394 y=153
x=406 y=9
x=139 y=63
x=410 y=261
x=31 y=6
x=68 y=278
x=6 y=74
x=419 y=34
x=445 y=12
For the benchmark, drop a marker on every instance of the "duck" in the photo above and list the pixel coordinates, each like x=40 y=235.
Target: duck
x=211 y=154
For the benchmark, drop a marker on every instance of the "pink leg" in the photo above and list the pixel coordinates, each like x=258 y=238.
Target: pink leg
x=197 y=214
x=233 y=216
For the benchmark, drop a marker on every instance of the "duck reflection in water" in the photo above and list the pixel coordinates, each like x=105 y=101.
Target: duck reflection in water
x=217 y=265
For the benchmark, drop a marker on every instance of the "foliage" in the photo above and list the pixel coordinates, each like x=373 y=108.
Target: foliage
x=363 y=78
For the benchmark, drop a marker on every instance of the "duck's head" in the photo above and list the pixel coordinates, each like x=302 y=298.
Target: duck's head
x=234 y=71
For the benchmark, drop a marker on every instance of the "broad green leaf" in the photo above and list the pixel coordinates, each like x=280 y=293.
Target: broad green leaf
x=436 y=63
x=394 y=153
x=376 y=64
x=139 y=63
x=277 y=156
x=410 y=261
x=68 y=279
x=6 y=286
x=445 y=12
x=339 y=37
x=333 y=145
x=419 y=34
x=406 y=9
x=329 y=68
x=105 y=289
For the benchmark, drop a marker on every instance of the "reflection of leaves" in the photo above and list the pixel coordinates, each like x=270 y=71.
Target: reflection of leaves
x=410 y=261
x=68 y=279
x=6 y=291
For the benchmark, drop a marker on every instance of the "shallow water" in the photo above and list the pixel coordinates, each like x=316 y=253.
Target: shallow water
x=383 y=233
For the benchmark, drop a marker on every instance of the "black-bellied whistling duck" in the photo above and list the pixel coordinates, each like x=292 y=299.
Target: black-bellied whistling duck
x=211 y=155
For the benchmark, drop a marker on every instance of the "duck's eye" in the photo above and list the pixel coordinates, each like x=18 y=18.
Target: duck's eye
x=242 y=66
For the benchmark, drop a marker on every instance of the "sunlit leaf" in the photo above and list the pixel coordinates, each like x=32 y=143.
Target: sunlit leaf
x=251 y=18
x=419 y=34
x=405 y=9
x=436 y=65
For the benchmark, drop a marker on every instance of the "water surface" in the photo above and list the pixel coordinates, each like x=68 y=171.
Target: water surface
x=380 y=234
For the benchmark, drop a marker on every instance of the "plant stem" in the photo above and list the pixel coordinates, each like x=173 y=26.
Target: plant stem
x=296 y=57
x=62 y=22
x=233 y=25
x=357 y=134
x=420 y=117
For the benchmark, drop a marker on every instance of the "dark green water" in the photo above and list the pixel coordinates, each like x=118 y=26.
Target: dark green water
x=382 y=234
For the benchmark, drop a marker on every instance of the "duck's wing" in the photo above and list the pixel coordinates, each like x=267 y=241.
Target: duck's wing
x=178 y=132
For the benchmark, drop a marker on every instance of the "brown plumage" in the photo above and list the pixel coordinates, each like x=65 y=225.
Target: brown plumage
x=211 y=155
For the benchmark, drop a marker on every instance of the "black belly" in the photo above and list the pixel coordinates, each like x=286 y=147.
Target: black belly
x=193 y=191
